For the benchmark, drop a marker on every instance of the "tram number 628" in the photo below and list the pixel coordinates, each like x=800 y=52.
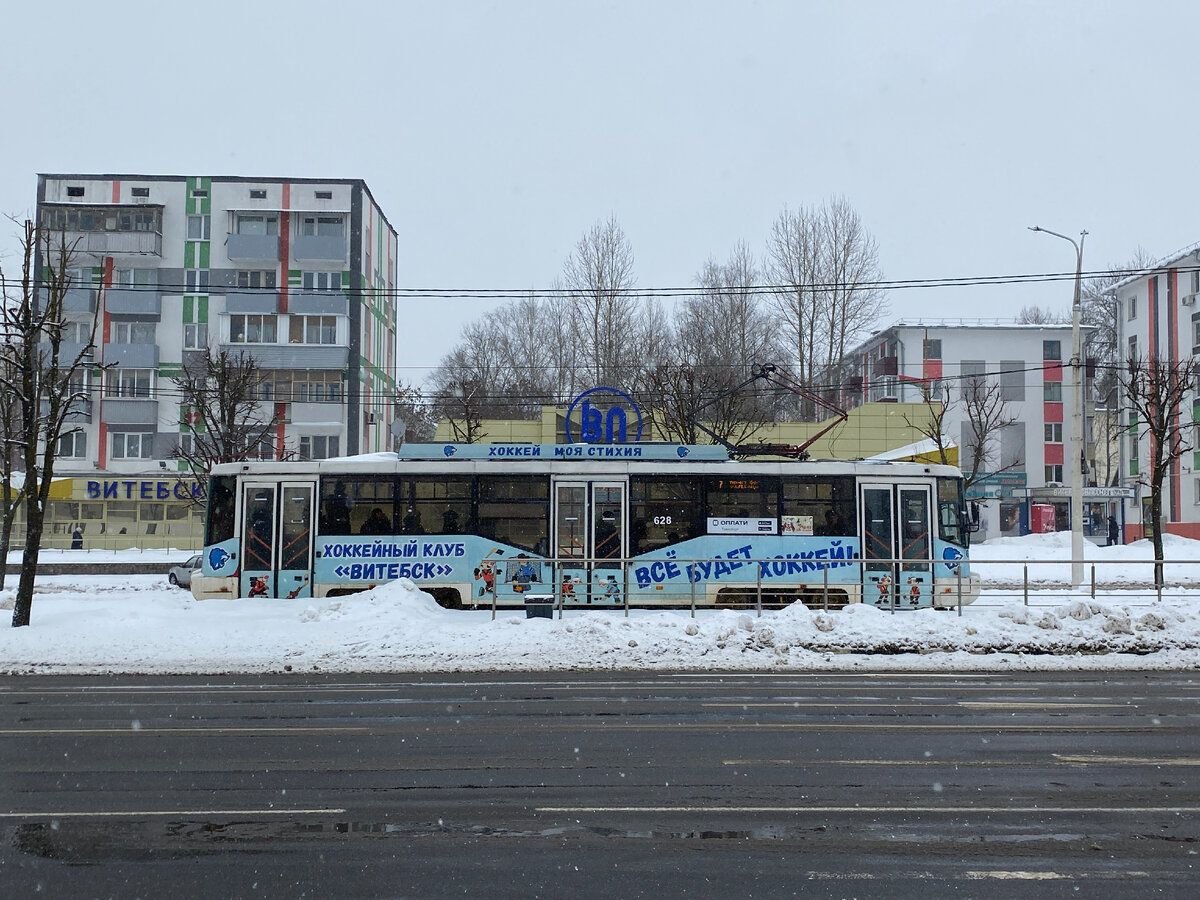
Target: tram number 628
x=662 y=520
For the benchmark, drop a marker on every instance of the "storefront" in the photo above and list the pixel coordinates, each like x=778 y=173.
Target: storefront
x=121 y=513
x=1049 y=509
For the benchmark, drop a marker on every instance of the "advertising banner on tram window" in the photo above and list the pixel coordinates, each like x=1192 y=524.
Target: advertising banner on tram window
x=742 y=525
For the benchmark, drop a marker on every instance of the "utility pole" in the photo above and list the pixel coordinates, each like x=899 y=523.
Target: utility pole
x=1077 y=464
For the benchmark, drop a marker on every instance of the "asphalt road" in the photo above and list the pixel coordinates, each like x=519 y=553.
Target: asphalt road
x=602 y=785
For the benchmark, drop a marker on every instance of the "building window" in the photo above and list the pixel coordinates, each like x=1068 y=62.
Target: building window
x=127 y=383
x=74 y=192
x=1051 y=349
x=318 y=446
x=73 y=445
x=1052 y=391
x=195 y=281
x=1054 y=474
x=932 y=346
x=318 y=387
x=1131 y=307
x=77 y=332
x=195 y=336
x=135 y=278
x=1054 y=432
x=1133 y=349
x=1196 y=333
x=324 y=195
x=264 y=278
x=321 y=281
x=258 y=194
x=132 y=333
x=263 y=451
x=312 y=329
x=256 y=224
x=199 y=228
x=252 y=329
x=140 y=192
x=199 y=192
x=132 y=445
x=323 y=226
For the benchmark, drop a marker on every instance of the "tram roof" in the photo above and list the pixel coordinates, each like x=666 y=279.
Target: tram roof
x=575 y=458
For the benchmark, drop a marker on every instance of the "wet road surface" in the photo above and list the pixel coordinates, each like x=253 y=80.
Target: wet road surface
x=602 y=785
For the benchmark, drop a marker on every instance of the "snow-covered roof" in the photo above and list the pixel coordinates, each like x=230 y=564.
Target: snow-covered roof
x=1169 y=260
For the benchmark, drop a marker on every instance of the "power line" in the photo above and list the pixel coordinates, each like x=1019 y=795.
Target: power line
x=670 y=292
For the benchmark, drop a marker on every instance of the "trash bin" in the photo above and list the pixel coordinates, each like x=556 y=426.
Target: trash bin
x=539 y=606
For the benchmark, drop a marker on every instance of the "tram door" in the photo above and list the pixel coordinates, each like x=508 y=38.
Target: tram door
x=277 y=539
x=896 y=528
x=590 y=541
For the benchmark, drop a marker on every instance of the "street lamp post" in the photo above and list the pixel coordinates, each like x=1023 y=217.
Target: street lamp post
x=1077 y=466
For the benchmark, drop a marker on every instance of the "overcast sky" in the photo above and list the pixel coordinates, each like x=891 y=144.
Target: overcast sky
x=493 y=134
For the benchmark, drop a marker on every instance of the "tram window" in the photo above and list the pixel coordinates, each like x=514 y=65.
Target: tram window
x=950 y=508
x=151 y=512
x=515 y=509
x=91 y=510
x=348 y=504
x=755 y=496
x=663 y=510
x=828 y=501
x=435 y=505
x=220 y=509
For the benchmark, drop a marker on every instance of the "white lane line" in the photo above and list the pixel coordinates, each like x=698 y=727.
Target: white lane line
x=254 y=729
x=939 y=763
x=999 y=726
x=1127 y=760
x=118 y=814
x=823 y=675
x=1036 y=704
x=954 y=810
x=1025 y=875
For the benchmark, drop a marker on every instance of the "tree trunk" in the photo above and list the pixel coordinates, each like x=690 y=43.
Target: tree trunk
x=1156 y=536
x=29 y=560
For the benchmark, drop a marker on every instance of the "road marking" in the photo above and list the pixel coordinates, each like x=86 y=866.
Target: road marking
x=1022 y=875
x=956 y=810
x=1000 y=726
x=1127 y=760
x=958 y=763
x=1034 y=704
x=116 y=814
x=253 y=729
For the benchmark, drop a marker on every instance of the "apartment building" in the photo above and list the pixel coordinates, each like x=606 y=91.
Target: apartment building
x=1026 y=464
x=298 y=273
x=1158 y=319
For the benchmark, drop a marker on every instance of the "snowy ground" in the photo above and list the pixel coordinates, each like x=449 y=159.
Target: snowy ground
x=138 y=624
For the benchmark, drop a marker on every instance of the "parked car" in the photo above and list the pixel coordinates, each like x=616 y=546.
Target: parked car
x=181 y=575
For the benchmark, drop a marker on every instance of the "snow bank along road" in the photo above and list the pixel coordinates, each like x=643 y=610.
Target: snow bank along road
x=136 y=624
x=660 y=784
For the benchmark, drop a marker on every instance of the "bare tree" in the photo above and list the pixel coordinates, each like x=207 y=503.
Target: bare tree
x=223 y=414
x=985 y=414
x=722 y=336
x=825 y=265
x=1041 y=315
x=1155 y=390
x=416 y=412
x=43 y=369
x=596 y=281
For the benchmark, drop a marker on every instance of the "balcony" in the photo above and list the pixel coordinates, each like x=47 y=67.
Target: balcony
x=79 y=300
x=253 y=302
x=116 y=243
x=294 y=356
x=252 y=247
x=316 y=413
x=144 y=301
x=319 y=248
x=130 y=411
x=318 y=303
x=132 y=356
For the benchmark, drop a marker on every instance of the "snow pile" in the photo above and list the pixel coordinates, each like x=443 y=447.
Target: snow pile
x=133 y=624
x=1048 y=556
